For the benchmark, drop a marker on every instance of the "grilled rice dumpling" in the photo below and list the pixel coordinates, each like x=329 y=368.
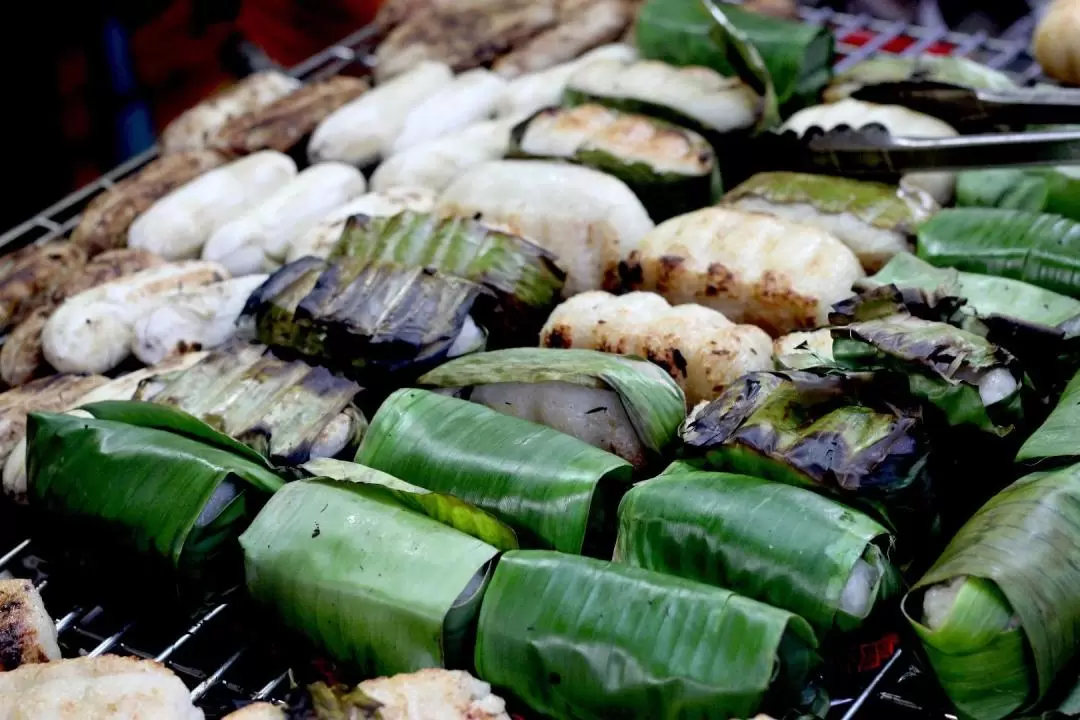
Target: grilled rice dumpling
x=27 y=633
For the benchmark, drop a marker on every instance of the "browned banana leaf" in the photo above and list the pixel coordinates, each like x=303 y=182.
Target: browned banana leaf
x=105 y=221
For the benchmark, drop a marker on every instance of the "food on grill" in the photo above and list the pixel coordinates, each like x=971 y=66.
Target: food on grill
x=1036 y=248
x=94 y=330
x=369 y=318
x=548 y=616
x=27 y=633
x=21 y=357
x=535 y=91
x=430 y=693
x=524 y=277
x=798 y=55
x=876 y=221
x=804 y=350
x=809 y=430
x=258 y=240
x=774 y=273
x=700 y=348
x=321 y=239
x=995 y=613
x=259 y=711
x=106 y=220
x=779 y=544
x=177 y=226
x=288 y=411
x=197 y=127
x=369 y=580
x=437 y=163
x=672 y=170
x=49 y=394
x=1054 y=45
x=693 y=97
x=951 y=70
x=1051 y=190
x=95 y=688
x=899 y=121
x=589 y=220
x=623 y=406
x=470 y=97
x=358 y=132
x=554 y=490
x=122 y=388
x=31 y=279
x=174 y=493
x=286 y=122
x=198 y=319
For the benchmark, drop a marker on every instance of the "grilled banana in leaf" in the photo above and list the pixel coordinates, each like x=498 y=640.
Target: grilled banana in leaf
x=524 y=277
x=698 y=98
x=27 y=633
x=627 y=407
x=876 y=221
x=672 y=170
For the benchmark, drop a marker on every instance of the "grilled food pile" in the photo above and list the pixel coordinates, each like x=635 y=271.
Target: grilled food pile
x=509 y=361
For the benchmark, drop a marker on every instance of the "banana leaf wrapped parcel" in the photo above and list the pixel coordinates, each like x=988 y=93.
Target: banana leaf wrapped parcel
x=288 y=411
x=371 y=579
x=932 y=69
x=525 y=278
x=554 y=490
x=624 y=406
x=152 y=481
x=997 y=613
x=575 y=637
x=782 y=545
x=1041 y=190
x=1058 y=438
x=371 y=319
x=807 y=429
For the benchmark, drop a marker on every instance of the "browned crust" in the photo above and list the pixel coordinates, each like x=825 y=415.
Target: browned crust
x=20 y=643
x=28 y=284
x=105 y=222
x=283 y=123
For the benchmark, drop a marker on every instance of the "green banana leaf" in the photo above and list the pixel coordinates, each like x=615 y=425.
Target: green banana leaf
x=779 y=544
x=950 y=70
x=798 y=56
x=444 y=508
x=1013 y=623
x=152 y=481
x=288 y=411
x=1040 y=190
x=554 y=490
x=985 y=294
x=745 y=61
x=370 y=582
x=970 y=380
x=1041 y=249
x=650 y=401
x=1057 y=437
x=523 y=275
x=578 y=638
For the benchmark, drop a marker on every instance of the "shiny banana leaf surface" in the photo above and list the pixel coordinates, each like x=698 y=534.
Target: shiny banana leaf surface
x=370 y=582
x=554 y=490
x=1040 y=190
x=1038 y=248
x=573 y=637
x=447 y=509
x=782 y=545
x=151 y=481
x=1001 y=651
x=798 y=55
x=1059 y=436
x=523 y=275
x=970 y=380
x=653 y=401
x=288 y=411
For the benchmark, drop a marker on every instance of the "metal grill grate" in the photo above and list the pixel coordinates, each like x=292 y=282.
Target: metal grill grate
x=210 y=654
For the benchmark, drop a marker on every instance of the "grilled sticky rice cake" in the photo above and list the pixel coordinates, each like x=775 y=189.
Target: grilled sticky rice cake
x=27 y=633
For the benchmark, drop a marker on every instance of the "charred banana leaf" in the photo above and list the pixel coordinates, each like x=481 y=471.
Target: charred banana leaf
x=369 y=318
x=288 y=411
x=970 y=380
x=672 y=170
x=875 y=220
x=524 y=277
x=804 y=429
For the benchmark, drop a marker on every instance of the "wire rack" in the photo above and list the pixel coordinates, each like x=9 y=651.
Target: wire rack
x=224 y=666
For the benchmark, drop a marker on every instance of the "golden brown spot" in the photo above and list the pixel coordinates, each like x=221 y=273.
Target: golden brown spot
x=719 y=280
x=559 y=337
x=667 y=273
